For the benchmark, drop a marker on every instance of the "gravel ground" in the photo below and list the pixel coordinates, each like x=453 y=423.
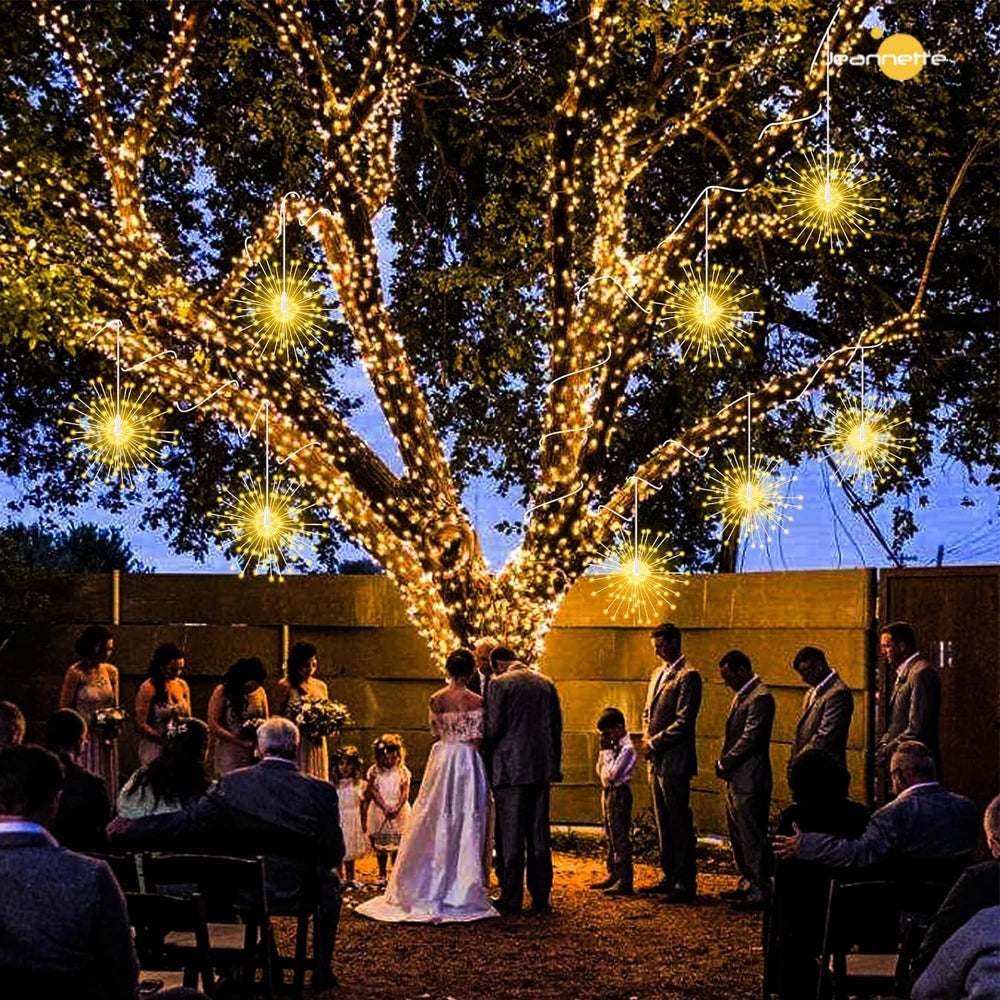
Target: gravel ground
x=590 y=947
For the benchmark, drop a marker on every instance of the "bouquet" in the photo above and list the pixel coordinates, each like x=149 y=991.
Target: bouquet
x=109 y=721
x=319 y=717
x=249 y=727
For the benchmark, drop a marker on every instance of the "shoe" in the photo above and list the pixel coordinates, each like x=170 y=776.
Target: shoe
x=733 y=895
x=662 y=887
x=505 y=909
x=544 y=907
x=605 y=884
x=753 y=901
x=323 y=981
x=680 y=896
x=619 y=889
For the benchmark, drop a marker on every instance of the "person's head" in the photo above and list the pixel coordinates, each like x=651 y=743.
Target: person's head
x=178 y=774
x=12 y=724
x=388 y=750
x=348 y=761
x=278 y=737
x=897 y=642
x=481 y=650
x=810 y=664
x=242 y=679
x=94 y=644
x=911 y=764
x=66 y=732
x=303 y=658
x=817 y=778
x=667 y=641
x=991 y=824
x=166 y=664
x=735 y=669
x=460 y=664
x=611 y=724
x=501 y=659
x=31 y=781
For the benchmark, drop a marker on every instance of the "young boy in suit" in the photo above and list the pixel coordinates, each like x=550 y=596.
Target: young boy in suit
x=615 y=762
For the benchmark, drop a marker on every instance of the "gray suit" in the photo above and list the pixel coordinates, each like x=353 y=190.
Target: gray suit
x=523 y=742
x=672 y=702
x=272 y=809
x=62 y=912
x=825 y=720
x=914 y=710
x=924 y=823
x=745 y=763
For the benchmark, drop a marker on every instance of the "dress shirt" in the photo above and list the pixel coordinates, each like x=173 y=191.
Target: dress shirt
x=904 y=667
x=26 y=826
x=815 y=690
x=667 y=671
x=736 y=697
x=614 y=766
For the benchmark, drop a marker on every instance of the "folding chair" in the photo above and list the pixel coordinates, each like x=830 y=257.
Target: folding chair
x=304 y=909
x=861 y=940
x=154 y=917
x=123 y=867
x=235 y=900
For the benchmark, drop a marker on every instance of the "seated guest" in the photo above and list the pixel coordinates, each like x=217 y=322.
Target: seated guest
x=169 y=782
x=967 y=965
x=819 y=783
x=62 y=915
x=977 y=888
x=12 y=725
x=922 y=824
x=84 y=808
x=268 y=808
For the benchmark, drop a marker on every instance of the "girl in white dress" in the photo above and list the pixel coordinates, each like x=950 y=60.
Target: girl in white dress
x=438 y=876
x=387 y=794
x=350 y=792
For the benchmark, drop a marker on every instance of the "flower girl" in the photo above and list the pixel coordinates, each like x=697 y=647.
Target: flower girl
x=387 y=794
x=350 y=791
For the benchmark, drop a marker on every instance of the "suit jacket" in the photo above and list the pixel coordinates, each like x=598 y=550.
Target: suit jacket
x=968 y=963
x=825 y=723
x=923 y=824
x=669 y=718
x=62 y=912
x=523 y=736
x=84 y=810
x=269 y=808
x=746 y=748
x=977 y=888
x=914 y=708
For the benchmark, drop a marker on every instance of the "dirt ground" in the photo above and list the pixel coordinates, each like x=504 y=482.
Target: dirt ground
x=590 y=946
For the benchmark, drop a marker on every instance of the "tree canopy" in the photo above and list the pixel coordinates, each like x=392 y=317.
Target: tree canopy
x=536 y=165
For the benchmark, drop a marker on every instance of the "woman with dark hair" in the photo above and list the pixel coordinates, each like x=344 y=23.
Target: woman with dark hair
x=300 y=684
x=90 y=687
x=236 y=707
x=174 y=778
x=161 y=697
x=438 y=874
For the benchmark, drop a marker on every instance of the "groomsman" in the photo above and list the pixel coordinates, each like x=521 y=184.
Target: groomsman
x=672 y=702
x=481 y=651
x=745 y=766
x=826 y=708
x=915 y=702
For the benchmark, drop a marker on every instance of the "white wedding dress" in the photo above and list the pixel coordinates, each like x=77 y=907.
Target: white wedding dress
x=438 y=875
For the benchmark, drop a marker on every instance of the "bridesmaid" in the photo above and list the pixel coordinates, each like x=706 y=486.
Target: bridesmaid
x=237 y=699
x=91 y=684
x=300 y=682
x=162 y=696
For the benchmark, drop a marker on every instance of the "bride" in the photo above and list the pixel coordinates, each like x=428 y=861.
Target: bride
x=438 y=874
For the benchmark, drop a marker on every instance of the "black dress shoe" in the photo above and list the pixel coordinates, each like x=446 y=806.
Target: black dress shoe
x=323 y=981
x=680 y=896
x=733 y=895
x=604 y=883
x=659 y=888
x=507 y=909
x=541 y=907
x=619 y=889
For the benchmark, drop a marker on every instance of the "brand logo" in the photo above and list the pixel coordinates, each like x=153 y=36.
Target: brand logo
x=900 y=57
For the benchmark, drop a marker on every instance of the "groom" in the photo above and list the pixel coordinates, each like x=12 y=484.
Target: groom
x=524 y=748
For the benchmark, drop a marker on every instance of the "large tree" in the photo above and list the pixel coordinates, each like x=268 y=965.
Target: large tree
x=537 y=162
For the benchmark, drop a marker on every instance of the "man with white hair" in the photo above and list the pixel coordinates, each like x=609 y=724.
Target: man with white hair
x=269 y=808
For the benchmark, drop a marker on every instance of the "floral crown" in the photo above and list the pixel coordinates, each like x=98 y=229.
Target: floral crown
x=348 y=752
x=384 y=745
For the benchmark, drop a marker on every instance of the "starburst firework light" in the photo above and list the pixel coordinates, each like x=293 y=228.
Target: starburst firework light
x=866 y=437
x=710 y=314
x=282 y=310
x=263 y=522
x=120 y=431
x=749 y=493
x=829 y=200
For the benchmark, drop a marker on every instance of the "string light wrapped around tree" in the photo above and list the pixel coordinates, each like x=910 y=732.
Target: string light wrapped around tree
x=122 y=434
x=829 y=201
x=638 y=577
